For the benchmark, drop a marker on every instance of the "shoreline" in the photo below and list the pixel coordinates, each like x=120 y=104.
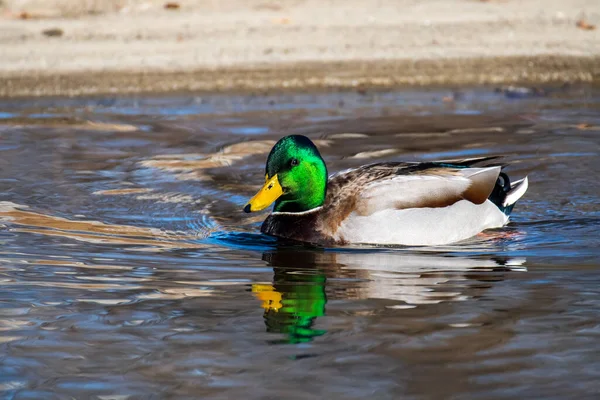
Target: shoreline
x=83 y=47
x=311 y=76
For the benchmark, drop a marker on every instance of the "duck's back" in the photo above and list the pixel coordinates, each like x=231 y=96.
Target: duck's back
x=430 y=203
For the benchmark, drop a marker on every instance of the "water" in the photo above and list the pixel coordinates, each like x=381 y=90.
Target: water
x=127 y=269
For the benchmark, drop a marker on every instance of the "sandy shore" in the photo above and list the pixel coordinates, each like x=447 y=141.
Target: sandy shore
x=73 y=47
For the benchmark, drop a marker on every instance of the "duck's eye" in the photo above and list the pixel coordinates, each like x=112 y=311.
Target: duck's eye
x=294 y=162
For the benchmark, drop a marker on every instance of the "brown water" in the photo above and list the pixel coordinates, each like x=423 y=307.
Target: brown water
x=128 y=271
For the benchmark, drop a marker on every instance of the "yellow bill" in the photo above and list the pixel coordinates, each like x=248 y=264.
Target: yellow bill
x=265 y=196
x=271 y=298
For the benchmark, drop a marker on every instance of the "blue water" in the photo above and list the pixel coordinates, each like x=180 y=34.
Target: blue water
x=127 y=269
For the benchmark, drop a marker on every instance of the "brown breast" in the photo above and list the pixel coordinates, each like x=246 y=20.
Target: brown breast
x=303 y=227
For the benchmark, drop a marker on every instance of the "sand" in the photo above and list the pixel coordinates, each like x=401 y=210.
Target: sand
x=81 y=47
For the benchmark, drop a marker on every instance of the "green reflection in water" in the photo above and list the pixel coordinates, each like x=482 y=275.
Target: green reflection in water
x=294 y=301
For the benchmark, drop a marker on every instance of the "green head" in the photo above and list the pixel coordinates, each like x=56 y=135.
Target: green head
x=296 y=177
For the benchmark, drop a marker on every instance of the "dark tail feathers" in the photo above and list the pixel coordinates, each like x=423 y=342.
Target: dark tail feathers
x=505 y=194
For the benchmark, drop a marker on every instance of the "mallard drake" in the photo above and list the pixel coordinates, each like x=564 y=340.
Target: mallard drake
x=402 y=203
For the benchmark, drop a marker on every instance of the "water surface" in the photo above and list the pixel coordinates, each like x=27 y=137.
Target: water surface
x=127 y=269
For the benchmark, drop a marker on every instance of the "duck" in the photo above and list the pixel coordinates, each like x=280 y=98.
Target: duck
x=387 y=203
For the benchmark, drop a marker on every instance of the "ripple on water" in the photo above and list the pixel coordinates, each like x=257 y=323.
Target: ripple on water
x=127 y=269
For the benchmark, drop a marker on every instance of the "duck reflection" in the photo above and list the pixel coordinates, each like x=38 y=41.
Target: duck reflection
x=297 y=296
x=304 y=280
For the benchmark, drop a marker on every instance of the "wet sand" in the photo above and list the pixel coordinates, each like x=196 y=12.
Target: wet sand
x=79 y=47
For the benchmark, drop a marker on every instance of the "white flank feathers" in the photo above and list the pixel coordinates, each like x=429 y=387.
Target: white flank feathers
x=422 y=226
